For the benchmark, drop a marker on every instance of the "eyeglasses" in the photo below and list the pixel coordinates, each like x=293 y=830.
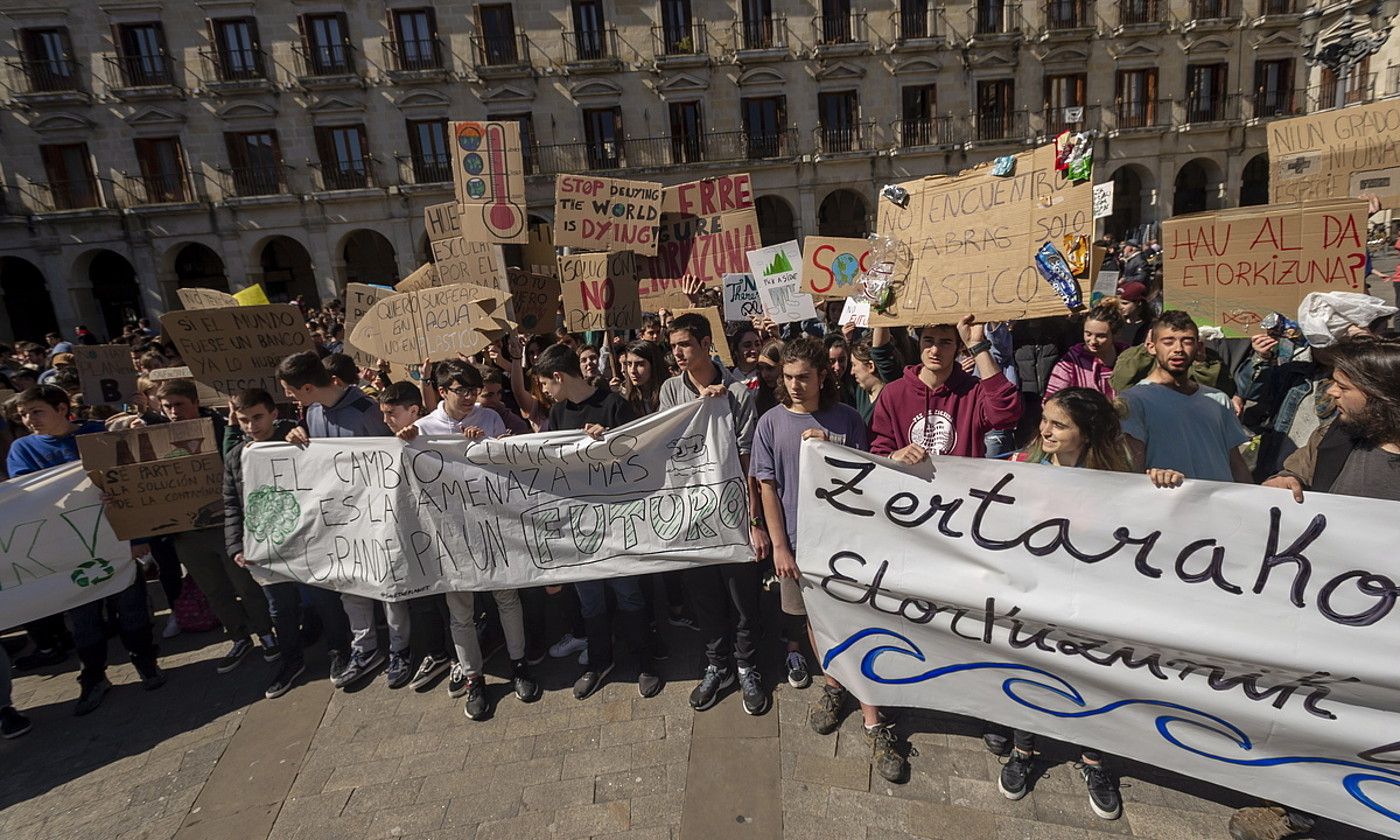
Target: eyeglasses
x=462 y=390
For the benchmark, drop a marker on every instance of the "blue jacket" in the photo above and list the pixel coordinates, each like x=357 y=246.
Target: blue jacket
x=32 y=453
x=1278 y=390
x=353 y=415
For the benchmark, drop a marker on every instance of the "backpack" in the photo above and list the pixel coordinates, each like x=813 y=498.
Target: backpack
x=191 y=609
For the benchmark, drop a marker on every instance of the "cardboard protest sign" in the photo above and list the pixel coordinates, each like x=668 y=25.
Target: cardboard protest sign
x=968 y=242
x=707 y=227
x=251 y=296
x=539 y=253
x=459 y=260
x=855 y=312
x=606 y=214
x=670 y=496
x=106 y=373
x=1343 y=152
x=719 y=338
x=534 y=300
x=208 y=397
x=162 y=479
x=196 y=298
x=435 y=324
x=57 y=550
x=741 y=301
x=658 y=293
x=234 y=349
x=600 y=292
x=427 y=276
x=775 y=270
x=488 y=172
x=442 y=221
x=831 y=264
x=1103 y=200
x=1230 y=268
x=1224 y=634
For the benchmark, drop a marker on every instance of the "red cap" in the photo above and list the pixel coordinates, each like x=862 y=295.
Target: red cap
x=1133 y=291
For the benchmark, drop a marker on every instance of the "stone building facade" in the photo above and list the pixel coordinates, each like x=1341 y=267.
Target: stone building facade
x=150 y=144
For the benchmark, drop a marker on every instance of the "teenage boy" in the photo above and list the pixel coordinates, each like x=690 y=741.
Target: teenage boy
x=459 y=383
x=1174 y=422
x=46 y=411
x=233 y=595
x=578 y=405
x=401 y=403
x=255 y=412
x=336 y=411
x=725 y=596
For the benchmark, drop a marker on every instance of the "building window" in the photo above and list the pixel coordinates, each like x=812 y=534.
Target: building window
x=141 y=54
x=344 y=153
x=255 y=163
x=836 y=22
x=1064 y=102
x=602 y=132
x=432 y=161
x=590 y=36
x=1136 y=98
x=527 y=138
x=1066 y=14
x=1359 y=86
x=765 y=119
x=1273 y=88
x=758 y=24
x=497 y=26
x=48 y=60
x=996 y=100
x=71 y=182
x=837 y=113
x=162 y=170
x=327 y=42
x=914 y=20
x=687 y=133
x=1137 y=12
x=1205 y=92
x=918 y=105
x=992 y=17
x=415 y=39
x=677 y=32
x=236 y=46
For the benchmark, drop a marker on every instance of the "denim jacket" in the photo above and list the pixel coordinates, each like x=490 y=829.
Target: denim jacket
x=1279 y=390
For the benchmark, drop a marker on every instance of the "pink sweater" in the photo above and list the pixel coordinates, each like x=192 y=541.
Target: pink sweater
x=1081 y=369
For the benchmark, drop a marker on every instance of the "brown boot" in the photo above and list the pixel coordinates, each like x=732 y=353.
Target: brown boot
x=1273 y=822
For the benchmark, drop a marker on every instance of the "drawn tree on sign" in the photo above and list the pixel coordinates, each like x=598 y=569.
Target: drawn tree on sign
x=271 y=514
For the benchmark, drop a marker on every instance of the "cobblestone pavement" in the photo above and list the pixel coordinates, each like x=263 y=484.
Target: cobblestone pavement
x=408 y=765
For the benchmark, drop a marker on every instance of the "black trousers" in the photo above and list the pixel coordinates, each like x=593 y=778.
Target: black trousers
x=725 y=600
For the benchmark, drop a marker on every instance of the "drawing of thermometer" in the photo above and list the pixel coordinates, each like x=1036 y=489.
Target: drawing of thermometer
x=503 y=216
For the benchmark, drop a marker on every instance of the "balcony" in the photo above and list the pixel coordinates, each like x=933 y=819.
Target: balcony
x=992 y=127
x=254 y=181
x=1054 y=121
x=501 y=56
x=725 y=147
x=1356 y=91
x=326 y=67
x=157 y=188
x=591 y=51
x=1067 y=19
x=1278 y=13
x=918 y=27
x=1208 y=15
x=841 y=34
x=70 y=196
x=1140 y=16
x=415 y=60
x=39 y=81
x=761 y=39
x=994 y=22
x=928 y=132
x=235 y=71
x=142 y=76
x=844 y=139
x=1270 y=104
x=1138 y=115
x=346 y=177
x=680 y=46
x=1209 y=110
x=426 y=171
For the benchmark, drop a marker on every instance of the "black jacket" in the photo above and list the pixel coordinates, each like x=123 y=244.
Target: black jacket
x=233 y=489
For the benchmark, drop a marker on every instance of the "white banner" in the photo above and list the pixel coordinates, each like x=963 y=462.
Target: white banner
x=56 y=549
x=389 y=520
x=1218 y=630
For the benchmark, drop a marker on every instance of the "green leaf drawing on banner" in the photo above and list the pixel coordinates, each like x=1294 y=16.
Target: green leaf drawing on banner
x=271 y=514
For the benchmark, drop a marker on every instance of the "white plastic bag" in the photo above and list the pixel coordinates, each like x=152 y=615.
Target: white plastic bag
x=1325 y=317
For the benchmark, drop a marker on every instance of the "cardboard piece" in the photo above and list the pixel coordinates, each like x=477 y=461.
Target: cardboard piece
x=534 y=300
x=459 y=260
x=196 y=298
x=435 y=324
x=442 y=221
x=106 y=373
x=720 y=338
x=1343 y=152
x=251 y=296
x=1103 y=200
x=606 y=214
x=208 y=397
x=968 y=242
x=237 y=348
x=741 y=303
x=776 y=271
x=488 y=172
x=359 y=297
x=659 y=293
x=707 y=227
x=600 y=292
x=710 y=196
x=163 y=479
x=831 y=264
x=855 y=312
x=538 y=255
x=1230 y=268
x=427 y=276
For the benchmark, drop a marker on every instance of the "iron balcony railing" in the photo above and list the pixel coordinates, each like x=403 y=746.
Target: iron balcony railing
x=991 y=126
x=660 y=152
x=1214 y=10
x=669 y=41
x=1142 y=12
x=1210 y=108
x=144 y=189
x=586 y=45
x=138 y=71
x=323 y=60
x=994 y=17
x=1266 y=104
x=761 y=33
x=80 y=194
x=1055 y=120
x=249 y=181
x=425 y=169
x=1358 y=89
x=943 y=130
x=851 y=137
x=917 y=21
x=501 y=50
x=43 y=75
x=414 y=55
x=1061 y=15
x=847 y=28
x=1278 y=7
x=224 y=65
x=346 y=175
x=1130 y=114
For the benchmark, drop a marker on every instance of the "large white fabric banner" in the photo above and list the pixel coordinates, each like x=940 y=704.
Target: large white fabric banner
x=56 y=549
x=1222 y=631
x=390 y=520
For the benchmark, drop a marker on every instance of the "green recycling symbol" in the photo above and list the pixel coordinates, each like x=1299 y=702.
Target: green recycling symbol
x=271 y=514
x=81 y=577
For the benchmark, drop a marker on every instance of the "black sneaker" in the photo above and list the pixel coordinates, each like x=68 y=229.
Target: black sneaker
x=339 y=662
x=12 y=723
x=398 y=673
x=648 y=683
x=1103 y=791
x=271 y=651
x=1015 y=778
x=712 y=682
x=683 y=620
x=826 y=712
x=590 y=682
x=457 y=681
x=285 y=679
x=428 y=670
x=997 y=744
x=476 y=707
x=751 y=686
x=797 y=674
x=525 y=686
x=91 y=697
x=152 y=677
x=40 y=659
x=885 y=755
x=236 y=652
x=361 y=666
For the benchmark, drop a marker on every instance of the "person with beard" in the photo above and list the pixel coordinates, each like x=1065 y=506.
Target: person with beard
x=1174 y=422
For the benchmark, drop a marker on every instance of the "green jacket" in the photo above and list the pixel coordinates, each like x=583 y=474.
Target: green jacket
x=1135 y=363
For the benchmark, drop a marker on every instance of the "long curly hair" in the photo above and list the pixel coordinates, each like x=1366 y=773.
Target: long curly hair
x=1100 y=428
x=1373 y=365
x=813 y=352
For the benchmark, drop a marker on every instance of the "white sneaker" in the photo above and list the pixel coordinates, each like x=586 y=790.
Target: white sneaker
x=172 y=628
x=567 y=646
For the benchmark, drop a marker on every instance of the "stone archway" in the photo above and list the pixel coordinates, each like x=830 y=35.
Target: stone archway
x=775 y=220
x=197 y=266
x=1254 y=181
x=1197 y=187
x=28 y=306
x=1132 y=201
x=369 y=258
x=114 y=287
x=843 y=213
x=287 y=271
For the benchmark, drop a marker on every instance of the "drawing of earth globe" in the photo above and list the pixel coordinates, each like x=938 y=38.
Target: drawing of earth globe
x=476 y=188
x=473 y=164
x=845 y=267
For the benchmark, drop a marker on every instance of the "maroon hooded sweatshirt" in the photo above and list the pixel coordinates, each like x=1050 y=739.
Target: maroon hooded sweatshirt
x=951 y=419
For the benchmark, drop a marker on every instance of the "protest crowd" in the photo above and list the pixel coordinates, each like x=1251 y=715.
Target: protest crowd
x=1311 y=404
